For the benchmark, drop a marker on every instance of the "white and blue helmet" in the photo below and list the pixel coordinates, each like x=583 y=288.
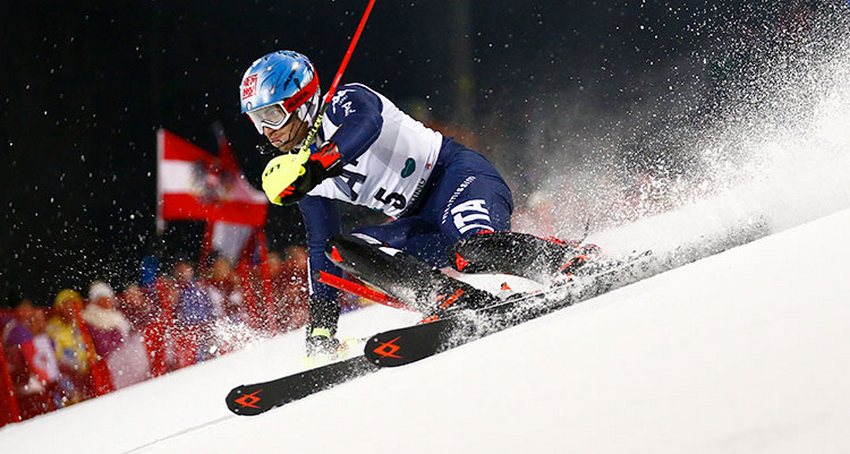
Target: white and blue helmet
x=278 y=85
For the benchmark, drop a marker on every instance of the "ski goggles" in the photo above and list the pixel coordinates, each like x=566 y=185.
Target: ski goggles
x=273 y=116
x=276 y=115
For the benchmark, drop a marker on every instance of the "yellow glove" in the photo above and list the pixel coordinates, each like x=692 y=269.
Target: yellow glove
x=290 y=177
x=279 y=174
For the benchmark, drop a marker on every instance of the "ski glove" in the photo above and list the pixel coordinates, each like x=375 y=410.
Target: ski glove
x=322 y=164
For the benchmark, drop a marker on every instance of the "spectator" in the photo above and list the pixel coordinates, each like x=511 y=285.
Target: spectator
x=225 y=291
x=224 y=288
x=110 y=330
x=289 y=287
x=167 y=295
x=279 y=283
x=196 y=316
x=194 y=307
x=32 y=363
x=142 y=309
x=108 y=326
x=70 y=346
x=138 y=306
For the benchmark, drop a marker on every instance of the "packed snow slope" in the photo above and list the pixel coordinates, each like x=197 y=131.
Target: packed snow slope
x=745 y=351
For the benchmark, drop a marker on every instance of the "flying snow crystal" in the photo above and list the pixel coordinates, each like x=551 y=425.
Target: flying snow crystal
x=775 y=136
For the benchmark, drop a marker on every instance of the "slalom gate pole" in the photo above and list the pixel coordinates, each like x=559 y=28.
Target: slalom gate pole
x=304 y=152
x=361 y=291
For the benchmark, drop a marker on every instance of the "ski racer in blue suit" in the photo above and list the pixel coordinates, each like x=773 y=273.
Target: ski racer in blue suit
x=368 y=153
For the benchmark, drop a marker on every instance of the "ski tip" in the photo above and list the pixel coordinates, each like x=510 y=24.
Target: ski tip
x=246 y=401
x=406 y=345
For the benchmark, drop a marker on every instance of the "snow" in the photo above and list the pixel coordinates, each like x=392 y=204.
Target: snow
x=745 y=351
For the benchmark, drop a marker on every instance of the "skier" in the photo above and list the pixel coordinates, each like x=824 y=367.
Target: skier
x=443 y=196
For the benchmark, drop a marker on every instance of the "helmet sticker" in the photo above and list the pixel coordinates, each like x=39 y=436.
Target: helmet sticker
x=249 y=86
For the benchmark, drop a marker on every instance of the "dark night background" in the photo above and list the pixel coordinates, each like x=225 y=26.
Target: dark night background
x=84 y=88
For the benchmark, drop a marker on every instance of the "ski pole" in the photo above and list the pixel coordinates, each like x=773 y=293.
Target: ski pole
x=304 y=152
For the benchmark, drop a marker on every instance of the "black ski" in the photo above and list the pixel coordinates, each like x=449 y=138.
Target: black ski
x=412 y=343
x=250 y=400
x=405 y=345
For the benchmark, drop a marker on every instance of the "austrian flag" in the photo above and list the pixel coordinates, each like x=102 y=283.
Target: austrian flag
x=195 y=185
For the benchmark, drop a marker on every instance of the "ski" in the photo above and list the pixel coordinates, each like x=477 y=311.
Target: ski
x=405 y=345
x=250 y=400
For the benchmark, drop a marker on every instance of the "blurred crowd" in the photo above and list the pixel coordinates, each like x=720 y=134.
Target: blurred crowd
x=85 y=345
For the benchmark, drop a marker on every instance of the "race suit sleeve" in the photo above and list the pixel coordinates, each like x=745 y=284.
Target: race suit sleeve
x=357 y=111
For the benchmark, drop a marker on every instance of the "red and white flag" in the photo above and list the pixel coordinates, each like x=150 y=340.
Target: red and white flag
x=195 y=185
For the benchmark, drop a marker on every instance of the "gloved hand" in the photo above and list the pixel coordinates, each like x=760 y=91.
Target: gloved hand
x=279 y=187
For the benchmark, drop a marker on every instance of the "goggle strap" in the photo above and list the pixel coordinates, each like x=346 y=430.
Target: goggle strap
x=303 y=95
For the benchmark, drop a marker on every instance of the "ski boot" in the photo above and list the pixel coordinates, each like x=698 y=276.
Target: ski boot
x=404 y=277
x=322 y=347
x=545 y=260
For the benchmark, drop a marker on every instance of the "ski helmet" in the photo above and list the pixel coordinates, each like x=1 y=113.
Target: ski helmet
x=276 y=86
